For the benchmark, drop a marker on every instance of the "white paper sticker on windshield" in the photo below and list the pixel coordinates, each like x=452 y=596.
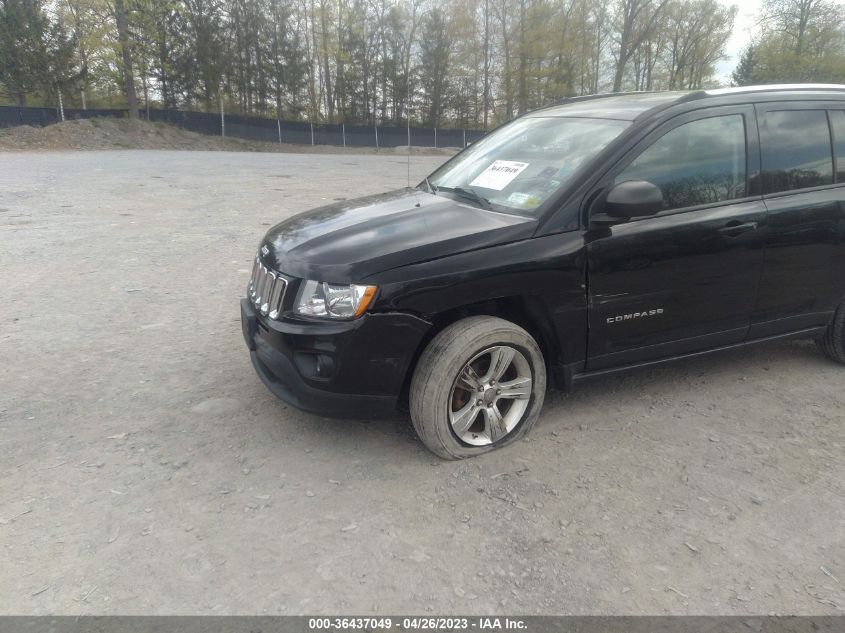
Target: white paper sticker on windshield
x=498 y=175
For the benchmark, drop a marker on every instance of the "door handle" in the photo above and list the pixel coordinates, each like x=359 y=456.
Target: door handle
x=735 y=228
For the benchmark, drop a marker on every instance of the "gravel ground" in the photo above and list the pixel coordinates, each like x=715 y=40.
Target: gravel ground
x=145 y=469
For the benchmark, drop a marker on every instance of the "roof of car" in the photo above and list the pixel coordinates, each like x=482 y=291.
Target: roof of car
x=630 y=105
x=625 y=106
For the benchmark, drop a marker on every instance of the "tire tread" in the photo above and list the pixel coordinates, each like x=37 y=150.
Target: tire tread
x=832 y=342
x=426 y=383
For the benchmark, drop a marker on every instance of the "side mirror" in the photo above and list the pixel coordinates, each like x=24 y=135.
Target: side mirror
x=629 y=199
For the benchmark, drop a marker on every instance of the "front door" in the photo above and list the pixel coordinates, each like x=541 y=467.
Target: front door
x=685 y=279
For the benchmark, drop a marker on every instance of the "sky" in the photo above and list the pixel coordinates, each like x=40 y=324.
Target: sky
x=747 y=16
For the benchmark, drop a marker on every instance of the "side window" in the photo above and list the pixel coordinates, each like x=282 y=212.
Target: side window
x=701 y=162
x=837 y=122
x=795 y=150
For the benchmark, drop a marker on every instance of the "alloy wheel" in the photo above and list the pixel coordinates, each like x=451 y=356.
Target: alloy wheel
x=490 y=395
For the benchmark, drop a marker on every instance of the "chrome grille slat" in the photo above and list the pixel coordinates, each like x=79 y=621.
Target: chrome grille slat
x=262 y=287
x=266 y=289
x=252 y=278
x=274 y=299
x=269 y=285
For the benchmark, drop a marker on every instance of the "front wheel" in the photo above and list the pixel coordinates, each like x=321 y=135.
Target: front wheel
x=479 y=385
x=832 y=342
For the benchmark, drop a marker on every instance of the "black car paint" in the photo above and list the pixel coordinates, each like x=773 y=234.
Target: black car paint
x=438 y=258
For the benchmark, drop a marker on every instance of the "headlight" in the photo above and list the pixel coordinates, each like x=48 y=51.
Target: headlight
x=333 y=301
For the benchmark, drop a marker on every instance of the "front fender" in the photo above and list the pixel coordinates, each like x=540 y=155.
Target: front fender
x=549 y=271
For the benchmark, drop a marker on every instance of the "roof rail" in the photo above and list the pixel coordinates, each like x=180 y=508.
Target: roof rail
x=602 y=95
x=771 y=87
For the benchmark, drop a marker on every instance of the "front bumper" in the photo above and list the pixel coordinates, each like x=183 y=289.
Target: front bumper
x=344 y=369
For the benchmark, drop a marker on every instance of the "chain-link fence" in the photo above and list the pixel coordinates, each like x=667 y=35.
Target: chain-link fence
x=260 y=129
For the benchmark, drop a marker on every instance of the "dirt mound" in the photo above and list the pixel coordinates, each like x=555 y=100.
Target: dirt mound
x=107 y=133
x=103 y=133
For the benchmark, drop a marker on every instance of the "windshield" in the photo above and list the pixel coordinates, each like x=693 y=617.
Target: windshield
x=524 y=163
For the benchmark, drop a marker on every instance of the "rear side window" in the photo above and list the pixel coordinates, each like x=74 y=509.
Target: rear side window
x=795 y=150
x=701 y=162
x=837 y=121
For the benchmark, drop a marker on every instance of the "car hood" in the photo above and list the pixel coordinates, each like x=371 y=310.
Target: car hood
x=348 y=241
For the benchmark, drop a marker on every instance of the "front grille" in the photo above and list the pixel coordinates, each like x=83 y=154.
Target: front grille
x=266 y=290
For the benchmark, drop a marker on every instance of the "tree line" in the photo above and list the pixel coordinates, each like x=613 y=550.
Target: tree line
x=472 y=63
x=797 y=41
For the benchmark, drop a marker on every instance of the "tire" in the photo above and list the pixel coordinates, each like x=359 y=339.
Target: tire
x=455 y=381
x=832 y=342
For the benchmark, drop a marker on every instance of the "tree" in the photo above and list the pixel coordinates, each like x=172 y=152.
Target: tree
x=798 y=41
x=434 y=64
x=802 y=22
x=79 y=18
x=745 y=74
x=696 y=32
x=23 y=54
x=122 y=21
x=60 y=52
x=635 y=21
x=158 y=27
x=283 y=46
x=485 y=95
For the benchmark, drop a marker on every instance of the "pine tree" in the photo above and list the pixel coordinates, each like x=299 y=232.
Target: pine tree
x=23 y=47
x=746 y=69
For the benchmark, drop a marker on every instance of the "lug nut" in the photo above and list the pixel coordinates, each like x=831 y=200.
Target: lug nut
x=498 y=392
x=479 y=403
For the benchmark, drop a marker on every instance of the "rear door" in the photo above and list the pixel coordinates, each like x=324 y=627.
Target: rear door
x=803 y=176
x=684 y=279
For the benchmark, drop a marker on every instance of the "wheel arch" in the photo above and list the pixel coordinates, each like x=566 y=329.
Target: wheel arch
x=529 y=313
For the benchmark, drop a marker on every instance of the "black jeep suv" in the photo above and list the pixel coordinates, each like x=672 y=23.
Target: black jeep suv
x=589 y=237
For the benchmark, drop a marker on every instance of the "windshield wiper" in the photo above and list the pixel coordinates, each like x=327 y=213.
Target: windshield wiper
x=431 y=187
x=471 y=194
